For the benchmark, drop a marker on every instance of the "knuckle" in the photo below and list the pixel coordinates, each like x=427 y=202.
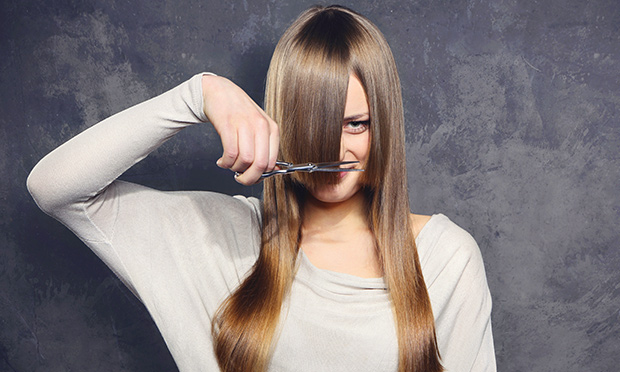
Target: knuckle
x=261 y=122
x=261 y=164
x=246 y=159
x=230 y=154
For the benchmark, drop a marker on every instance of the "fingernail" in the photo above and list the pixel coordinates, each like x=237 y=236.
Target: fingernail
x=219 y=162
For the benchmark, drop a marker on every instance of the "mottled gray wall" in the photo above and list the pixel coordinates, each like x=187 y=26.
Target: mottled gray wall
x=512 y=131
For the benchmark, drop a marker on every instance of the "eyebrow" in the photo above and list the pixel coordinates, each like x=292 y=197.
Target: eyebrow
x=354 y=117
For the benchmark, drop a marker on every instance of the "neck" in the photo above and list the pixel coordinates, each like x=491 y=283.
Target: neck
x=337 y=237
x=321 y=216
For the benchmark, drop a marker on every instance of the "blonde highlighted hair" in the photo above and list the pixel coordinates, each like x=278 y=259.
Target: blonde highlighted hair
x=306 y=94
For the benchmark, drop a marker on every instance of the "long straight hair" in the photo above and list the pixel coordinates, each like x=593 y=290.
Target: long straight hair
x=306 y=94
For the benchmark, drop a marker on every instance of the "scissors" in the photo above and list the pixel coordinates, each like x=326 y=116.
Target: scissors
x=286 y=167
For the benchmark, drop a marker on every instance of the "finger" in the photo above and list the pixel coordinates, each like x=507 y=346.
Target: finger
x=245 y=144
x=261 y=156
x=230 y=147
x=261 y=153
x=274 y=140
x=274 y=144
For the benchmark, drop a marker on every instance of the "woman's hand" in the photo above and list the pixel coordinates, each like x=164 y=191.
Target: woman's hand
x=249 y=137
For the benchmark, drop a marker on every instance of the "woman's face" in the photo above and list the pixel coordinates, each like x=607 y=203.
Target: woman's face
x=354 y=146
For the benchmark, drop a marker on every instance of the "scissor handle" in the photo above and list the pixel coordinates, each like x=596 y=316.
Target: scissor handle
x=285 y=167
x=276 y=171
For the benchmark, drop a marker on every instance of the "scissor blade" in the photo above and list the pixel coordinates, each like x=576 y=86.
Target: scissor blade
x=335 y=167
x=334 y=164
x=338 y=170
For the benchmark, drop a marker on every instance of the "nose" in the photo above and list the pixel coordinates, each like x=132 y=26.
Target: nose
x=343 y=148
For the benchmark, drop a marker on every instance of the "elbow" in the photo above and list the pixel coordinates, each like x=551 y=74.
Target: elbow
x=34 y=184
x=40 y=190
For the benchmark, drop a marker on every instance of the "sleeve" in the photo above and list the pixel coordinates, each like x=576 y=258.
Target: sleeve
x=461 y=300
x=76 y=183
x=83 y=167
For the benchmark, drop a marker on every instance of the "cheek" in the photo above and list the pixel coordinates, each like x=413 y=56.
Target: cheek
x=363 y=146
x=357 y=144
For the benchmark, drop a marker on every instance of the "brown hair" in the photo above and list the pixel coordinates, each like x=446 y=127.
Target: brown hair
x=306 y=93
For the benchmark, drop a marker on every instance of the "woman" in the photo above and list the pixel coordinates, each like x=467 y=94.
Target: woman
x=329 y=271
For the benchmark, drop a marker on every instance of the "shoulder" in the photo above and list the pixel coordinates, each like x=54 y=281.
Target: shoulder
x=418 y=221
x=444 y=248
x=440 y=235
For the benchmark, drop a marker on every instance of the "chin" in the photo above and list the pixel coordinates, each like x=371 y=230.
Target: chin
x=344 y=190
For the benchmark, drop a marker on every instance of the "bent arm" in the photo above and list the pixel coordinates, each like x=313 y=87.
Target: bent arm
x=83 y=167
x=173 y=250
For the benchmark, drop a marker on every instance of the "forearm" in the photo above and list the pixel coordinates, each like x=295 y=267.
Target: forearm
x=85 y=165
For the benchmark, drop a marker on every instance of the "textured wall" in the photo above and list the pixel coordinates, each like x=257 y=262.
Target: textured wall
x=513 y=131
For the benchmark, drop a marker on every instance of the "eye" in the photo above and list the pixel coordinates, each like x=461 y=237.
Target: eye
x=357 y=126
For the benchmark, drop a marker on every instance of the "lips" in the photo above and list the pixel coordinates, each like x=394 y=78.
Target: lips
x=342 y=174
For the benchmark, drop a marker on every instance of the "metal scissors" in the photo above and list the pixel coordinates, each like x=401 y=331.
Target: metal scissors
x=286 y=167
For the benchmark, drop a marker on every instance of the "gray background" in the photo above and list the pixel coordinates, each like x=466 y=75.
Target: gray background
x=512 y=131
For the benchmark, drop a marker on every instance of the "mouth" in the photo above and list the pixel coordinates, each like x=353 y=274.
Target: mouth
x=344 y=173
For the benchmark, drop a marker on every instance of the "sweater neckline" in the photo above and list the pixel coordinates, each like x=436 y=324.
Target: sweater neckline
x=341 y=283
x=336 y=280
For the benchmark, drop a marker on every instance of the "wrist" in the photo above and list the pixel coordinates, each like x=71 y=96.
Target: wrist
x=208 y=82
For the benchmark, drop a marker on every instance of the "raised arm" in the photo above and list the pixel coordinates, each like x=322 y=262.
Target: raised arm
x=84 y=166
x=139 y=232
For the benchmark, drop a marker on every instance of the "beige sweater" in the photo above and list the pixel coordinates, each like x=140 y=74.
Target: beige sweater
x=182 y=253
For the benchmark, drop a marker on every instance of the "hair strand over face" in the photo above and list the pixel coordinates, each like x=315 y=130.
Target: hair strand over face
x=306 y=94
